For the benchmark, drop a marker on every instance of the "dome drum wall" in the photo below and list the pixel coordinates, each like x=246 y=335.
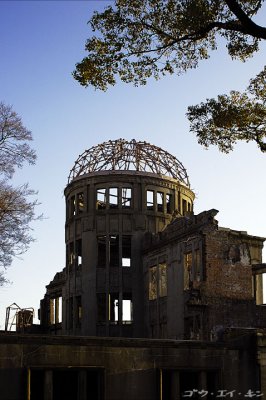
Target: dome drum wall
x=84 y=192
x=145 y=202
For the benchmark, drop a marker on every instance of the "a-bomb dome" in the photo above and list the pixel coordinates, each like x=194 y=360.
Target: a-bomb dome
x=124 y=155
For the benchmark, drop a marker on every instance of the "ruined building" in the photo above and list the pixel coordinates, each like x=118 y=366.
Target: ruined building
x=154 y=301
x=139 y=263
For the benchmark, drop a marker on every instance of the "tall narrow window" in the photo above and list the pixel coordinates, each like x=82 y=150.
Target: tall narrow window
x=72 y=206
x=79 y=251
x=71 y=253
x=113 y=197
x=179 y=201
x=150 y=199
x=80 y=201
x=197 y=265
x=188 y=206
x=52 y=311
x=159 y=201
x=113 y=307
x=78 y=310
x=114 y=250
x=153 y=283
x=184 y=206
x=101 y=251
x=162 y=280
x=126 y=197
x=60 y=309
x=126 y=251
x=127 y=309
x=168 y=203
x=101 y=307
x=101 y=199
x=56 y=310
x=70 y=312
x=187 y=270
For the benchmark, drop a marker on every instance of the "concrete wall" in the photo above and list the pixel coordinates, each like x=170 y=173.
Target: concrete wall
x=120 y=369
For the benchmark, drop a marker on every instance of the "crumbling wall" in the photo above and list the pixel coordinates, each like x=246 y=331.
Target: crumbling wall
x=228 y=265
x=210 y=284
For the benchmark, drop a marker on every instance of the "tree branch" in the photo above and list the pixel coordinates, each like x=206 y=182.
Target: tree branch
x=249 y=26
x=201 y=33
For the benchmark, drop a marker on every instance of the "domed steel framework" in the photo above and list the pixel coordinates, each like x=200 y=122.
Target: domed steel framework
x=123 y=155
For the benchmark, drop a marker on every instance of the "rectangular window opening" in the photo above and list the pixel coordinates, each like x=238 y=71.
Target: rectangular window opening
x=113 y=307
x=101 y=241
x=126 y=251
x=184 y=206
x=150 y=199
x=70 y=312
x=153 y=283
x=127 y=308
x=78 y=311
x=101 y=199
x=36 y=384
x=162 y=280
x=80 y=201
x=52 y=311
x=65 y=384
x=72 y=206
x=101 y=307
x=159 y=202
x=188 y=381
x=114 y=250
x=60 y=310
x=113 y=197
x=168 y=203
x=71 y=256
x=197 y=267
x=126 y=197
x=79 y=251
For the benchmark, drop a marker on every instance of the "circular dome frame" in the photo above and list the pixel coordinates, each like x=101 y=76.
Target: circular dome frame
x=123 y=155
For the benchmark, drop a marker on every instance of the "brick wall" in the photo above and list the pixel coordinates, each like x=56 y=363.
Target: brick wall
x=228 y=268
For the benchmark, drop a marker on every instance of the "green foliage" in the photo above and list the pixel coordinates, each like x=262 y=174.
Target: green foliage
x=234 y=117
x=139 y=39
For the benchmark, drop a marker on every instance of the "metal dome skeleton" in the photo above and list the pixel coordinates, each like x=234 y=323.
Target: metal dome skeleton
x=123 y=155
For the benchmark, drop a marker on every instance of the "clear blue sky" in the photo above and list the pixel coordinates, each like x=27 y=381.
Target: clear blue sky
x=40 y=42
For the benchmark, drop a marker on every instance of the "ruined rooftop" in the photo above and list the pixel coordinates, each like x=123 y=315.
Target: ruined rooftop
x=123 y=155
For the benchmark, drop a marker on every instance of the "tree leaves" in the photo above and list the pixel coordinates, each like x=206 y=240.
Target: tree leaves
x=230 y=118
x=137 y=40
